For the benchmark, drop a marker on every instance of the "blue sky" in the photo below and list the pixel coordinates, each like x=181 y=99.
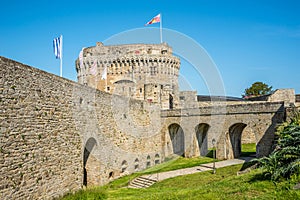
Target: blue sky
x=254 y=40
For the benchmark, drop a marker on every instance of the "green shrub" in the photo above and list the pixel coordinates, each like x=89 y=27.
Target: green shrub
x=284 y=161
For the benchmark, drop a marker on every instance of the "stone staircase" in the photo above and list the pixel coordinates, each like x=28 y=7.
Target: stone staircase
x=141 y=182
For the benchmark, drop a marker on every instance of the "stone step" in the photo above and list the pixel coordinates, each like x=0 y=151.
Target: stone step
x=141 y=182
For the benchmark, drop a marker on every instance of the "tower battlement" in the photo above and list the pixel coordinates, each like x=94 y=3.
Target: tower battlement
x=141 y=71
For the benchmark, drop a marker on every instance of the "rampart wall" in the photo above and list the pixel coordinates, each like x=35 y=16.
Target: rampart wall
x=57 y=135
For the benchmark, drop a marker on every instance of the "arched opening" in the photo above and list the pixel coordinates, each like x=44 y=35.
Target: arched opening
x=91 y=164
x=111 y=175
x=157 y=159
x=177 y=139
x=124 y=166
x=248 y=142
x=136 y=164
x=235 y=140
x=148 y=164
x=201 y=135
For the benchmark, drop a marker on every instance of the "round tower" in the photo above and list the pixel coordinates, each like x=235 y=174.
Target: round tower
x=141 y=71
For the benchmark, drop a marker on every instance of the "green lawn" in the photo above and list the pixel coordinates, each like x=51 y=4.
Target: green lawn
x=248 y=149
x=225 y=184
x=171 y=164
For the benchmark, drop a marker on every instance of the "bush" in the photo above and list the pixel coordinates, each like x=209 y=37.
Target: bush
x=284 y=161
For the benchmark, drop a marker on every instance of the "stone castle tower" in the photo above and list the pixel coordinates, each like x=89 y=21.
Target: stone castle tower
x=141 y=71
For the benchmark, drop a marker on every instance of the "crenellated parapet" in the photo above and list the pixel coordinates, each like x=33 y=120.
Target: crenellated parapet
x=141 y=71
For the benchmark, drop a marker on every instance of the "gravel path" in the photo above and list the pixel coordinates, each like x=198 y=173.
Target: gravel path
x=201 y=168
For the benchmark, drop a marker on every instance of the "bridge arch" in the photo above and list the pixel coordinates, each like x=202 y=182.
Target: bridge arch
x=201 y=135
x=91 y=166
x=234 y=140
x=177 y=139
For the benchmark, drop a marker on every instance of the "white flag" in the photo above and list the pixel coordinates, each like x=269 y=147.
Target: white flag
x=81 y=58
x=57 y=47
x=104 y=74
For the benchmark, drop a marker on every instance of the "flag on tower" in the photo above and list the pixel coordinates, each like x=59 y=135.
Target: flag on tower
x=155 y=19
x=104 y=74
x=57 y=47
x=81 y=58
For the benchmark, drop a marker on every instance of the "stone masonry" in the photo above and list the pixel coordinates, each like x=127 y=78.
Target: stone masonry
x=140 y=71
x=58 y=136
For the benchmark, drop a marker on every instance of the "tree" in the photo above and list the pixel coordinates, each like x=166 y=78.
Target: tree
x=257 y=89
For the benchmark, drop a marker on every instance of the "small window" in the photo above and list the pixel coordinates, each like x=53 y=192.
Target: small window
x=164 y=51
x=111 y=175
x=141 y=90
x=108 y=88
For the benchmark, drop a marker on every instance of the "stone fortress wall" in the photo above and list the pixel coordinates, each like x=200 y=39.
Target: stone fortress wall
x=59 y=136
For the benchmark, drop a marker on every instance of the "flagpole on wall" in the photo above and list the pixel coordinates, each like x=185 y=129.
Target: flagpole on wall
x=61 y=56
x=161 y=40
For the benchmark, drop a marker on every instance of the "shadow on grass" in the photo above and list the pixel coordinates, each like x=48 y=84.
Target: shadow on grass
x=249 y=165
x=259 y=177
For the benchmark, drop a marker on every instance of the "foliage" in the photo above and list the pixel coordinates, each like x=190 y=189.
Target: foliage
x=257 y=89
x=284 y=161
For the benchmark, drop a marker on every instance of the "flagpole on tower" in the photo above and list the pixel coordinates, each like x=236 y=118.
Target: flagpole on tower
x=157 y=19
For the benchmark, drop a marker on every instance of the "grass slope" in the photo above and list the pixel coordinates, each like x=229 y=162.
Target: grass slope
x=225 y=184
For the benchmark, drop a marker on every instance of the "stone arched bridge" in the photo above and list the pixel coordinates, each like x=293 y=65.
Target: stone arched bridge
x=190 y=132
